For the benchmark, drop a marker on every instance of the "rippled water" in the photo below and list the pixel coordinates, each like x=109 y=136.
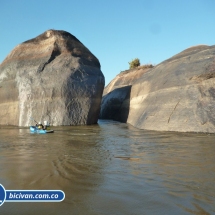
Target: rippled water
x=110 y=168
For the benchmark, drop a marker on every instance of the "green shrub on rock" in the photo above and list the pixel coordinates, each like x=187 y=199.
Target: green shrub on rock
x=134 y=63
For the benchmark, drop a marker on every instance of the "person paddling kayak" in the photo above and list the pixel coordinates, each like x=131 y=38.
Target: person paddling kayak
x=40 y=125
x=40 y=128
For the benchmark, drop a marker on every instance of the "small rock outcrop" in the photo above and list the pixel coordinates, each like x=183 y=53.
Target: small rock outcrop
x=52 y=77
x=176 y=95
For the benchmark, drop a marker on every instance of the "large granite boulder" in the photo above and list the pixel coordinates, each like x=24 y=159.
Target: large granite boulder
x=52 y=77
x=176 y=95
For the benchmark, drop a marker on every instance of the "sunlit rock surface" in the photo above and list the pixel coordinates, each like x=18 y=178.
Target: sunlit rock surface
x=52 y=77
x=176 y=95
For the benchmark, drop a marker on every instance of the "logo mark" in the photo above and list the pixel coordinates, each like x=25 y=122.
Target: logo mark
x=2 y=195
x=30 y=195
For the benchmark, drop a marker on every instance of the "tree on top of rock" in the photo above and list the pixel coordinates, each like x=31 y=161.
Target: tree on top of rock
x=134 y=63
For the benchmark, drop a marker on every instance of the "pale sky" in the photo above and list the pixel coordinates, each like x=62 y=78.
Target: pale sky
x=115 y=31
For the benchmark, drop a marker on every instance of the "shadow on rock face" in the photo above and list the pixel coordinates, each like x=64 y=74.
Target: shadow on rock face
x=115 y=105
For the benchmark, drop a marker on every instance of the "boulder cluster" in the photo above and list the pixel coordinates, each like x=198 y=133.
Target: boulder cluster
x=54 y=77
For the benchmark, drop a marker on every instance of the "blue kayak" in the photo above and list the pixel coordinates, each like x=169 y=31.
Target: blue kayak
x=34 y=129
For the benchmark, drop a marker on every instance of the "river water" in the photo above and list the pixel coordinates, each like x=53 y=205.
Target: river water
x=110 y=168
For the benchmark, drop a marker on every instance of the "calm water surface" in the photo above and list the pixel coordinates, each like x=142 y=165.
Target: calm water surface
x=110 y=168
